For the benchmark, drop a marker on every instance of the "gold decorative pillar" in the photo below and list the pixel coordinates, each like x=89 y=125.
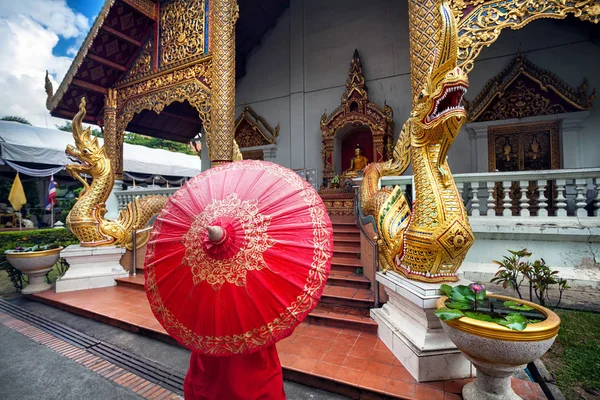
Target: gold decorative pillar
x=222 y=113
x=424 y=22
x=113 y=140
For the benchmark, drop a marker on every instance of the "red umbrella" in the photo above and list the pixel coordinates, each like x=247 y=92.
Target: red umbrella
x=238 y=258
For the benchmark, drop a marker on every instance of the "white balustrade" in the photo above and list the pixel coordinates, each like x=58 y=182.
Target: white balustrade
x=572 y=192
x=127 y=196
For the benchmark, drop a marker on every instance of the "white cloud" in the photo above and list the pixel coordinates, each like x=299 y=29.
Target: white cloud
x=29 y=30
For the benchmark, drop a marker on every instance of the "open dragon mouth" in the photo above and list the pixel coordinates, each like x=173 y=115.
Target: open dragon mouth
x=450 y=100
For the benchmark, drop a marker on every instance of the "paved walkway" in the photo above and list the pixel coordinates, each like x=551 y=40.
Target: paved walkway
x=50 y=368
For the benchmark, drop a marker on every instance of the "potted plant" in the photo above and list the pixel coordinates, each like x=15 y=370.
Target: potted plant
x=498 y=334
x=335 y=182
x=34 y=262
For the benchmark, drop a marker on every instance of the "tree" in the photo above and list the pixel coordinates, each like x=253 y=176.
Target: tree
x=140 y=140
x=14 y=118
x=68 y=127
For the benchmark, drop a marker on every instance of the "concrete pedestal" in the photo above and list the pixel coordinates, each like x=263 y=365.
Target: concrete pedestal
x=410 y=329
x=91 y=267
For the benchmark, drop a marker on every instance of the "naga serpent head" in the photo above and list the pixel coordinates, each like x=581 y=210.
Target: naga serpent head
x=87 y=153
x=438 y=114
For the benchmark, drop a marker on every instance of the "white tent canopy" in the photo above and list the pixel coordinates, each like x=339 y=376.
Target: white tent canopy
x=32 y=144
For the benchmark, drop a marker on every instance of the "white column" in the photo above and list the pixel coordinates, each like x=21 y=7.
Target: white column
x=561 y=204
x=491 y=204
x=507 y=201
x=524 y=201
x=542 y=200
x=580 y=199
x=475 y=199
x=572 y=143
x=204 y=157
x=478 y=135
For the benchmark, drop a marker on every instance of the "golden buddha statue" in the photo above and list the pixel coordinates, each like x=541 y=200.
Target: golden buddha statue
x=357 y=164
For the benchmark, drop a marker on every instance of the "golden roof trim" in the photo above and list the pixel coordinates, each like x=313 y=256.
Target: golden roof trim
x=269 y=133
x=52 y=102
x=520 y=65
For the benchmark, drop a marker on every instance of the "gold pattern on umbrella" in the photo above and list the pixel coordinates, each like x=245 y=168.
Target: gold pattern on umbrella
x=249 y=257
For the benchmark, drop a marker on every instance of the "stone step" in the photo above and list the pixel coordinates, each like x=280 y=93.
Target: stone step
x=132 y=282
x=342 y=317
x=346 y=250
x=347 y=296
x=347 y=264
x=348 y=279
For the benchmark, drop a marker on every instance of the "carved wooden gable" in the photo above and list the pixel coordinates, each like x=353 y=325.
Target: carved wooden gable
x=252 y=130
x=522 y=90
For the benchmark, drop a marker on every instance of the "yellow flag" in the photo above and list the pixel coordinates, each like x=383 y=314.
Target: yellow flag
x=17 y=194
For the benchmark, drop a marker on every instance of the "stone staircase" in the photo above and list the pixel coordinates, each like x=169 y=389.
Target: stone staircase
x=347 y=297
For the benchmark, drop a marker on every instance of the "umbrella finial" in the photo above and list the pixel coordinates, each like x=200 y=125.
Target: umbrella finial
x=216 y=234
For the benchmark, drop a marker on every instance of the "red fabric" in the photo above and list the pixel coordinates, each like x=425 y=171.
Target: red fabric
x=255 y=376
x=281 y=282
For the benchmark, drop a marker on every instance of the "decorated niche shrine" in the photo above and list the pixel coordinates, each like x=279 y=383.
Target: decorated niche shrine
x=256 y=139
x=356 y=123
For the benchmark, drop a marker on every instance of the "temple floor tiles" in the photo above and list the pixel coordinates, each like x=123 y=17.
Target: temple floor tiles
x=348 y=361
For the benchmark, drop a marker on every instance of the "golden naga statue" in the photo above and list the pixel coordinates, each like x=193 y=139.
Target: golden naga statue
x=430 y=243
x=86 y=219
x=357 y=164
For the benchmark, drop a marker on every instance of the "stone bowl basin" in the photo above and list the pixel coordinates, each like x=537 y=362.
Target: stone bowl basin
x=34 y=264
x=496 y=351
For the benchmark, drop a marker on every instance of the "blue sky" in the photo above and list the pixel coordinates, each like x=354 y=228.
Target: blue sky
x=39 y=36
x=89 y=8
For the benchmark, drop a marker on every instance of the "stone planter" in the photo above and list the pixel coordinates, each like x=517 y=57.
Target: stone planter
x=498 y=352
x=34 y=264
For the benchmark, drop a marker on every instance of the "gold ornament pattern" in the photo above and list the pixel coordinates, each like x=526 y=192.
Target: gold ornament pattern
x=249 y=257
x=430 y=242
x=255 y=338
x=222 y=130
x=182 y=31
x=147 y=7
x=253 y=130
x=482 y=25
x=423 y=27
x=522 y=89
x=86 y=218
x=193 y=91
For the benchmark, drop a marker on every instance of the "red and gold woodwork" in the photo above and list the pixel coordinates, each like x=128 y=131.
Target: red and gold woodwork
x=356 y=112
x=146 y=66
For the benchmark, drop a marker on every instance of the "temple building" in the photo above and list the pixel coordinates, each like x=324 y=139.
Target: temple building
x=325 y=88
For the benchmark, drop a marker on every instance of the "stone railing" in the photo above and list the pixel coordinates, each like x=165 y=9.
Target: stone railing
x=310 y=175
x=127 y=196
x=549 y=193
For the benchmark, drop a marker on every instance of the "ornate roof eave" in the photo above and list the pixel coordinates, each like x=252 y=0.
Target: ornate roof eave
x=269 y=133
x=53 y=100
x=547 y=80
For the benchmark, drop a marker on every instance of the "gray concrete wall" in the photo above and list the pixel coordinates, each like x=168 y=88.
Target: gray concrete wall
x=299 y=71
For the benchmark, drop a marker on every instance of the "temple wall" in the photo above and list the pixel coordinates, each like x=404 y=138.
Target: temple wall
x=299 y=71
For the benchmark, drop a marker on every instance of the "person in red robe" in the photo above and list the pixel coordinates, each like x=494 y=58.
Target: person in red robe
x=254 y=376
